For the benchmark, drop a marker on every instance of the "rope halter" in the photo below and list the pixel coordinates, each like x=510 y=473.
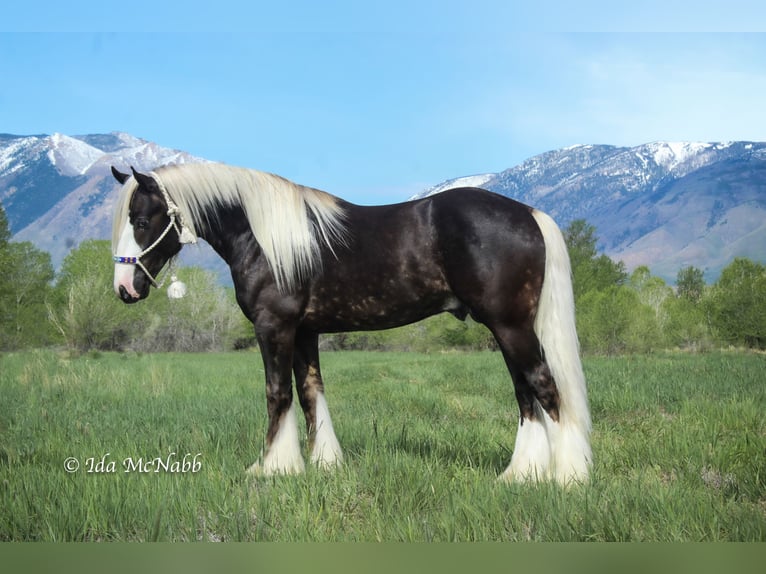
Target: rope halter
x=185 y=236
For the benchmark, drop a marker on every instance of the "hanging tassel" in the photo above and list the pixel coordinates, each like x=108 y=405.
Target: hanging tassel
x=186 y=236
x=176 y=289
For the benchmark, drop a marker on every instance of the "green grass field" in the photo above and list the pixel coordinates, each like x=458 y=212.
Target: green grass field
x=679 y=442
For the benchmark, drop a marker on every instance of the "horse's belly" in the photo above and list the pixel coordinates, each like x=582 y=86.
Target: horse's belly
x=376 y=310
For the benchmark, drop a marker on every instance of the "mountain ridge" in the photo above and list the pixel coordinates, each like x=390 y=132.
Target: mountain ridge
x=661 y=204
x=50 y=184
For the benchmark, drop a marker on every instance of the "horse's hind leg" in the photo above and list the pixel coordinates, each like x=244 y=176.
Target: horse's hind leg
x=538 y=401
x=325 y=449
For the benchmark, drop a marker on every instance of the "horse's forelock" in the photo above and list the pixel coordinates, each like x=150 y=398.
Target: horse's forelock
x=122 y=208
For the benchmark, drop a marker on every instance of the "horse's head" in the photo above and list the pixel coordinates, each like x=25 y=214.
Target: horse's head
x=150 y=236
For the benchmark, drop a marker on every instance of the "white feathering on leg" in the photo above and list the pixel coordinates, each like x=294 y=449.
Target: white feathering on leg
x=531 y=455
x=284 y=454
x=327 y=451
x=572 y=454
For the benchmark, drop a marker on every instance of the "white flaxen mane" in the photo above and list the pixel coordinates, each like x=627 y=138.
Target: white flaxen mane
x=288 y=220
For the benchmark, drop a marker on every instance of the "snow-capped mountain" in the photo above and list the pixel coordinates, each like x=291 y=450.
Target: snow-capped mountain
x=665 y=204
x=49 y=185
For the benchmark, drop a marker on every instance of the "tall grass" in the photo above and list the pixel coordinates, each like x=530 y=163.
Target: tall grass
x=679 y=443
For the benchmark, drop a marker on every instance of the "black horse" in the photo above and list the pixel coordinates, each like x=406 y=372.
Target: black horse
x=305 y=262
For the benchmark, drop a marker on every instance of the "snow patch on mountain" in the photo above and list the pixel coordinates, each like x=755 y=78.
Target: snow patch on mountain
x=12 y=154
x=71 y=157
x=467 y=181
x=672 y=154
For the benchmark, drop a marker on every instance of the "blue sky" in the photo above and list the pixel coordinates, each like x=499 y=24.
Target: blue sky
x=376 y=101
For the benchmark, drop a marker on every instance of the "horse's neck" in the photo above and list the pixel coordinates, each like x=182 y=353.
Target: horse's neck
x=230 y=236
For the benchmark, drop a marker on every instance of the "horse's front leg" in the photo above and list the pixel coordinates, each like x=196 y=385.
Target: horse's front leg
x=283 y=452
x=325 y=449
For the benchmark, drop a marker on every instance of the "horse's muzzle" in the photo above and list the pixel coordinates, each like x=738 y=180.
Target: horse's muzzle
x=127 y=297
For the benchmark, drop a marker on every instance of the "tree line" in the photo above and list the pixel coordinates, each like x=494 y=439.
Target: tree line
x=76 y=308
x=617 y=312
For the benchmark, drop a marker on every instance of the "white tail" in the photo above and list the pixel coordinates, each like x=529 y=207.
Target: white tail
x=569 y=438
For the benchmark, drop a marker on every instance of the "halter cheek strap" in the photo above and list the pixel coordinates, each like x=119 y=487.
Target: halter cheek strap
x=184 y=236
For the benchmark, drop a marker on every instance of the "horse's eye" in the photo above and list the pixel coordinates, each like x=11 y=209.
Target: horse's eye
x=142 y=223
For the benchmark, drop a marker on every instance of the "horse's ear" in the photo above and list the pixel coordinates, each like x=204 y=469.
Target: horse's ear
x=119 y=176
x=144 y=181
